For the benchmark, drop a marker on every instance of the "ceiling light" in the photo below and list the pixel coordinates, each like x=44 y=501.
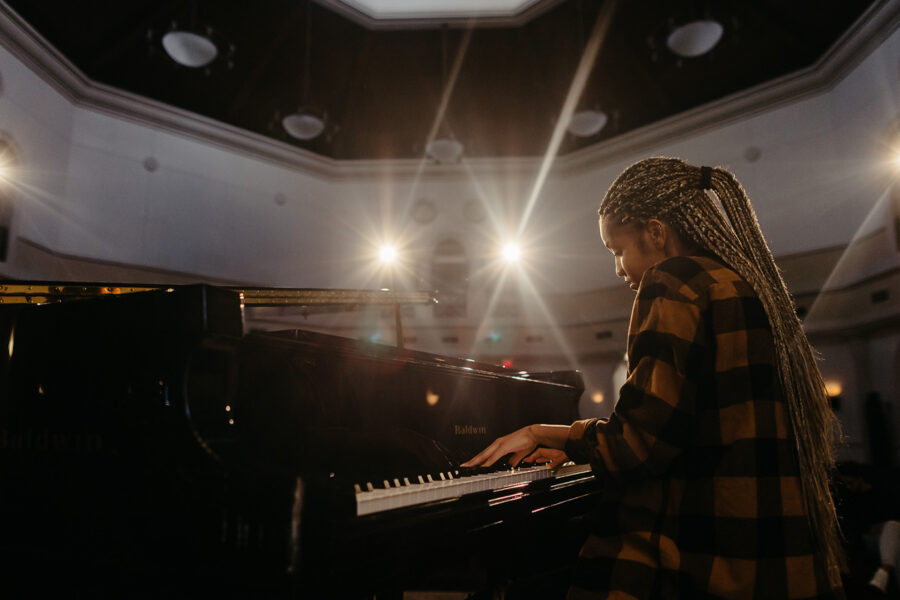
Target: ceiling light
x=892 y=144
x=586 y=123
x=511 y=252
x=695 y=38
x=8 y=159
x=305 y=124
x=387 y=254
x=445 y=150
x=189 y=49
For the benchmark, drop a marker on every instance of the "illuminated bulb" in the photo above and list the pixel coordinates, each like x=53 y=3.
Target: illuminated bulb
x=431 y=398
x=511 y=252
x=597 y=398
x=833 y=388
x=388 y=254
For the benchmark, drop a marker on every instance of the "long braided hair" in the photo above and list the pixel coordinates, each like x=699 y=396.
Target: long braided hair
x=673 y=191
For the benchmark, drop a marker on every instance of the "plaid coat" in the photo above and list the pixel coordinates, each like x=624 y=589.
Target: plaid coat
x=701 y=490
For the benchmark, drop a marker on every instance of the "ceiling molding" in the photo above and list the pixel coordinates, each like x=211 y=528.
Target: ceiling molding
x=45 y=61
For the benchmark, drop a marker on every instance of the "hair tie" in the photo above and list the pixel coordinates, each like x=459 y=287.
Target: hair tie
x=705 y=178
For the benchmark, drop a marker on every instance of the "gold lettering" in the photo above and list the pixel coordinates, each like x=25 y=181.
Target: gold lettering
x=469 y=429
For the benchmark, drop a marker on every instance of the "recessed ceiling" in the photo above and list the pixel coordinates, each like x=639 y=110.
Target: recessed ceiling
x=430 y=9
x=392 y=14
x=384 y=93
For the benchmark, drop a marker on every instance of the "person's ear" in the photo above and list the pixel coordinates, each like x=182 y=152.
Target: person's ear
x=657 y=231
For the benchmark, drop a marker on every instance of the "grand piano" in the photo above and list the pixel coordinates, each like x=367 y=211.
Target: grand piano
x=151 y=445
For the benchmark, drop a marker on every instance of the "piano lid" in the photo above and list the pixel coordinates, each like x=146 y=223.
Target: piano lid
x=44 y=292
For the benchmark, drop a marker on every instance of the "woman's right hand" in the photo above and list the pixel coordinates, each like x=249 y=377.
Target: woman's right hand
x=550 y=457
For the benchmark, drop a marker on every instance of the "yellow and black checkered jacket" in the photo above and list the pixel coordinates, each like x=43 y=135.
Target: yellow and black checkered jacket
x=701 y=490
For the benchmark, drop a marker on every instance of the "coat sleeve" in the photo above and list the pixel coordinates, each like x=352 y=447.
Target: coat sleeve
x=653 y=418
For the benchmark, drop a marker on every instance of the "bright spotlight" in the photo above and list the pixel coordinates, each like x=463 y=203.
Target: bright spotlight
x=511 y=252
x=387 y=254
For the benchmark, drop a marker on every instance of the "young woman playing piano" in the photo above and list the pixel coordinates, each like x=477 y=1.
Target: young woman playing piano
x=717 y=458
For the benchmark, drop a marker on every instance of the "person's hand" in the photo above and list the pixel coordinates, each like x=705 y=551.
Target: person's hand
x=547 y=456
x=519 y=443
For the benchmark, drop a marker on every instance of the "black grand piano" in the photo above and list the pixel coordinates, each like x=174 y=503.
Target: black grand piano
x=152 y=447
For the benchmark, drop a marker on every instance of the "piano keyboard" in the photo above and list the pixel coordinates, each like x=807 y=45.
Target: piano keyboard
x=399 y=494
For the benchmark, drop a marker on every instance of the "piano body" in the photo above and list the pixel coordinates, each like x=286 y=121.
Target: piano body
x=150 y=446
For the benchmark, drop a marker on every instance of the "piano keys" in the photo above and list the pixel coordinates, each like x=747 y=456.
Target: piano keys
x=392 y=495
x=148 y=442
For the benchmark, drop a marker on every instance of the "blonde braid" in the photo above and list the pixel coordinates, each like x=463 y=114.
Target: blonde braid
x=670 y=189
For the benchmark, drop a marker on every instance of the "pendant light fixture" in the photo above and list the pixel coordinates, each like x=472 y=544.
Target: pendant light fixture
x=306 y=123
x=695 y=38
x=585 y=122
x=689 y=33
x=189 y=49
x=445 y=149
x=193 y=45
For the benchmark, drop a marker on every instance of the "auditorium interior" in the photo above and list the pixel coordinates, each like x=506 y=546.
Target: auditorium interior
x=244 y=218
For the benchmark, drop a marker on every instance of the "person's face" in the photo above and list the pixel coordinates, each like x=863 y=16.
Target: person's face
x=634 y=248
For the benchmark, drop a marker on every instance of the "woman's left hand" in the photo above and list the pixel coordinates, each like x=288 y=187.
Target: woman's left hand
x=519 y=443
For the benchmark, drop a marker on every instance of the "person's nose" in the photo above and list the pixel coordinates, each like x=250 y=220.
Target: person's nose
x=620 y=272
